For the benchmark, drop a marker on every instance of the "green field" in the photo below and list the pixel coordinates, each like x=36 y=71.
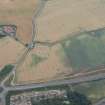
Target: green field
x=93 y=90
x=36 y=60
x=85 y=50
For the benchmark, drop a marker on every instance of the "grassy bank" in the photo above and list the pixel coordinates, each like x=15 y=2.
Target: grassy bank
x=93 y=90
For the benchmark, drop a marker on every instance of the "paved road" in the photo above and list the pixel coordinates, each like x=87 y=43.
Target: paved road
x=78 y=79
x=37 y=12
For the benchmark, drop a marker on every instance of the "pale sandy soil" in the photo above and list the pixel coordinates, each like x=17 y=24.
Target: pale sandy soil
x=62 y=17
x=10 y=51
x=49 y=69
x=18 y=12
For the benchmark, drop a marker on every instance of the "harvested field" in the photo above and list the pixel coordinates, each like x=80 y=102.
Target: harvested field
x=18 y=12
x=61 y=18
x=10 y=51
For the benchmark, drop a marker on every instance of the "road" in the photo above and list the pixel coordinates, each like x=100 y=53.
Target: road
x=78 y=79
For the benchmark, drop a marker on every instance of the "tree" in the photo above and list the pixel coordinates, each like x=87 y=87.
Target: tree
x=76 y=98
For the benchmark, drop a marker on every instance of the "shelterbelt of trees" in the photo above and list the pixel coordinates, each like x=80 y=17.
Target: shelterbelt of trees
x=5 y=71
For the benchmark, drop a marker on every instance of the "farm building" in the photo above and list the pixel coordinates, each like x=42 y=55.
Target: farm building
x=6 y=30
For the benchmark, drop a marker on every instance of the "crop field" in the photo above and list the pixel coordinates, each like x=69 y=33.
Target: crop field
x=10 y=51
x=19 y=13
x=86 y=50
x=62 y=18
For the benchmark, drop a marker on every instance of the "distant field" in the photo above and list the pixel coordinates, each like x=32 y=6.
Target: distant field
x=18 y=12
x=61 y=18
